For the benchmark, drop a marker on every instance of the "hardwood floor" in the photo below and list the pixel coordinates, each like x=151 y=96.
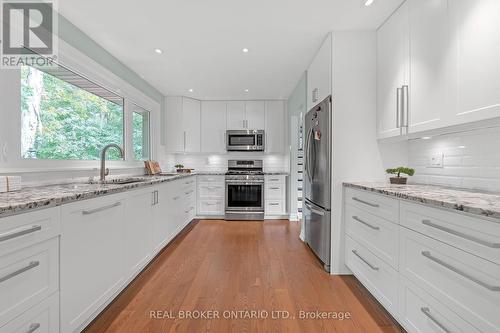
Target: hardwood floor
x=239 y=266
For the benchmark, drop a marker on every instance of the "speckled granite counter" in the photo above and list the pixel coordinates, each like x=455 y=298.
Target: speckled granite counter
x=469 y=201
x=31 y=198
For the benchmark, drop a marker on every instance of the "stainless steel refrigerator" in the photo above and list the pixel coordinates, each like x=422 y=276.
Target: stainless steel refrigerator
x=317 y=180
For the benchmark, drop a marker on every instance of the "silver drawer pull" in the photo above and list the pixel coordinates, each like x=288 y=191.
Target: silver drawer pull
x=366 y=202
x=274 y=180
x=176 y=198
x=189 y=192
x=19 y=233
x=454 y=269
x=374 y=227
x=462 y=235
x=375 y=268
x=9 y=276
x=274 y=188
x=190 y=209
x=274 y=204
x=33 y=328
x=100 y=209
x=315 y=211
x=427 y=312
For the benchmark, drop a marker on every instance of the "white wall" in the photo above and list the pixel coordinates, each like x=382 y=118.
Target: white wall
x=471 y=159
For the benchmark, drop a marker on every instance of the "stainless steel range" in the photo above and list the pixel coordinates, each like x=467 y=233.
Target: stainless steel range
x=244 y=190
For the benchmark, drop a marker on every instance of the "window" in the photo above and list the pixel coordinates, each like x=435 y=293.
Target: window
x=67 y=117
x=141 y=133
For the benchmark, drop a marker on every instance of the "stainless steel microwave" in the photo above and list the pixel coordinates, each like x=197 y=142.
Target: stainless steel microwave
x=245 y=140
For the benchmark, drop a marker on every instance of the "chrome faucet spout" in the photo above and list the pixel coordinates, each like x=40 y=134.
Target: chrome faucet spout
x=104 y=172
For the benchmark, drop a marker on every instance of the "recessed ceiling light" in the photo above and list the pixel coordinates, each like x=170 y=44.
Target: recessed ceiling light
x=246 y=90
x=425 y=137
x=462 y=147
x=369 y=2
x=158 y=51
x=191 y=90
x=245 y=50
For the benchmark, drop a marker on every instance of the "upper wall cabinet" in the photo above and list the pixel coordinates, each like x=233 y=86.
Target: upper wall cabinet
x=255 y=115
x=182 y=125
x=392 y=72
x=236 y=119
x=475 y=27
x=275 y=126
x=319 y=75
x=437 y=65
x=213 y=126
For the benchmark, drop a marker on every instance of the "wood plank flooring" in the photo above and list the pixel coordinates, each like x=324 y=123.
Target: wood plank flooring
x=241 y=266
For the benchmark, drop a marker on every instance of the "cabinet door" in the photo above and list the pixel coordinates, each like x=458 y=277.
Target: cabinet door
x=191 y=125
x=213 y=126
x=429 y=63
x=476 y=31
x=392 y=70
x=138 y=230
x=91 y=258
x=319 y=75
x=174 y=136
x=255 y=112
x=236 y=115
x=275 y=126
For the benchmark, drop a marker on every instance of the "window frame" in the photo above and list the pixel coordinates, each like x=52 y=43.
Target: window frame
x=145 y=110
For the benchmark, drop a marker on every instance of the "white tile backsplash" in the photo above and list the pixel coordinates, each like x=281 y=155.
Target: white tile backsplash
x=471 y=159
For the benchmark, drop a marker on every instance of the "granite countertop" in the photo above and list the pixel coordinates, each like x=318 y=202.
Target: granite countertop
x=30 y=198
x=470 y=201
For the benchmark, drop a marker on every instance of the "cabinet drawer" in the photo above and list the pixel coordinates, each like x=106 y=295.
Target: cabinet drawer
x=19 y=231
x=467 y=284
x=274 y=191
x=27 y=277
x=211 y=207
x=211 y=179
x=188 y=181
x=274 y=207
x=378 y=235
x=42 y=318
x=211 y=190
x=377 y=276
x=478 y=236
x=278 y=179
x=421 y=313
x=376 y=204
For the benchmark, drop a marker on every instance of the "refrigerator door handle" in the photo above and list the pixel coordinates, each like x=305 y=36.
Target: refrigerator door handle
x=308 y=154
x=314 y=210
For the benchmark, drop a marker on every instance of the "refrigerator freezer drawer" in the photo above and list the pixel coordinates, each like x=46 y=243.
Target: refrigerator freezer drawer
x=317 y=232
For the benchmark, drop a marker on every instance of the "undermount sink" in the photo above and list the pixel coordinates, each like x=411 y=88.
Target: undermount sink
x=123 y=181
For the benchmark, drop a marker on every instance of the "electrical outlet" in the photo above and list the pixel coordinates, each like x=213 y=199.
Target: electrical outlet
x=435 y=161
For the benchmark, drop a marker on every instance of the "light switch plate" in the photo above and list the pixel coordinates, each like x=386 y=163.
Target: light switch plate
x=435 y=161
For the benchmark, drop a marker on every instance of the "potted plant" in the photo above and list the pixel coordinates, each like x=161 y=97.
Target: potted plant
x=179 y=167
x=398 y=171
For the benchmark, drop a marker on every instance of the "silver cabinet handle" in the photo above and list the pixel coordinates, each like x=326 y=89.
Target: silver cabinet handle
x=33 y=328
x=176 y=198
x=97 y=210
x=406 y=106
x=427 y=312
x=274 y=188
x=184 y=140
x=187 y=183
x=9 y=276
x=274 y=204
x=315 y=211
x=19 y=233
x=190 y=209
x=374 y=227
x=366 y=202
x=454 y=269
x=399 y=101
x=188 y=192
x=274 y=180
x=461 y=234
x=375 y=268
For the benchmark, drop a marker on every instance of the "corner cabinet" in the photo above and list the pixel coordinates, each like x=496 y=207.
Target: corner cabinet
x=319 y=74
x=435 y=60
x=182 y=124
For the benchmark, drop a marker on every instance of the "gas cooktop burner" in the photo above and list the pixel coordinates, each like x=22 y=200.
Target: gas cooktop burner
x=239 y=172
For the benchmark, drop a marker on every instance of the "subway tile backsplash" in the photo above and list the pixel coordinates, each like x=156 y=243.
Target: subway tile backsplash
x=470 y=160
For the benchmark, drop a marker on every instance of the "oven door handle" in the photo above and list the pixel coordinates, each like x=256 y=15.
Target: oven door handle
x=239 y=182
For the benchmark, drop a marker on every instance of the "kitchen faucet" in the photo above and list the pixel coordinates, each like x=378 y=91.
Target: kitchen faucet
x=104 y=171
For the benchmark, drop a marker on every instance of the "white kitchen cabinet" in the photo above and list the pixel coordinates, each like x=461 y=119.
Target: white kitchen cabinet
x=138 y=229
x=213 y=126
x=182 y=124
x=393 y=47
x=211 y=194
x=255 y=113
x=236 y=119
x=163 y=216
x=475 y=28
x=275 y=127
x=191 y=124
x=91 y=258
x=430 y=68
x=274 y=196
x=319 y=75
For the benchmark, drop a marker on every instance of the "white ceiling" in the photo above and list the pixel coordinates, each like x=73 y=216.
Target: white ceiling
x=202 y=40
